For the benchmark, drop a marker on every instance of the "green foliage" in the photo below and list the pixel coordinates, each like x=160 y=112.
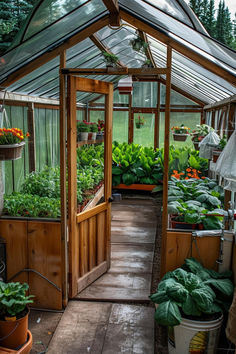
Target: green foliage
x=192 y=290
x=110 y=58
x=13 y=299
x=82 y=127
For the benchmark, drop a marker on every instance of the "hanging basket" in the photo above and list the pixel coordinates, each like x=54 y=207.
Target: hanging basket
x=11 y=152
x=180 y=137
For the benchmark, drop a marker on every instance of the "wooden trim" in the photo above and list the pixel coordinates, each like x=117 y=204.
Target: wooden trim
x=166 y=162
x=111 y=5
x=137 y=187
x=108 y=143
x=213 y=117
x=115 y=71
x=93 y=202
x=91 y=276
x=181 y=48
x=31 y=139
x=46 y=57
x=88 y=214
x=64 y=250
x=157 y=118
x=72 y=189
x=89 y=142
x=90 y=85
x=232 y=109
x=130 y=121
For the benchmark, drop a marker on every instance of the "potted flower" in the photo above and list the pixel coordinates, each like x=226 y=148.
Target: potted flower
x=138 y=44
x=199 y=133
x=14 y=314
x=83 y=130
x=110 y=59
x=94 y=130
x=12 y=141
x=180 y=133
x=216 y=153
x=139 y=122
x=101 y=127
x=191 y=300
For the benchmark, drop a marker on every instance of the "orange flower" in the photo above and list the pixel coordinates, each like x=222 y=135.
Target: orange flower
x=188 y=169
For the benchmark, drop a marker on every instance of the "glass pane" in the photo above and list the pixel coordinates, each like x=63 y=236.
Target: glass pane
x=48 y=12
x=46 y=38
x=202 y=44
x=120 y=126
x=144 y=94
x=176 y=119
x=117 y=98
x=176 y=98
x=144 y=133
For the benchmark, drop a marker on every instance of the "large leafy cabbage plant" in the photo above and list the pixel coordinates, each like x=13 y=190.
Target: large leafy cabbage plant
x=193 y=291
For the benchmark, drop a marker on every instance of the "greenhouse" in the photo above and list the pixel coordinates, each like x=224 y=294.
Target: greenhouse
x=118 y=167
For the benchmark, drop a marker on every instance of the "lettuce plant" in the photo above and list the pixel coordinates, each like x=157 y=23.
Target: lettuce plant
x=192 y=291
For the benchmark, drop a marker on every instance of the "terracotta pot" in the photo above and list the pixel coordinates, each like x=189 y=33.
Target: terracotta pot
x=11 y=152
x=13 y=334
x=25 y=349
x=180 y=137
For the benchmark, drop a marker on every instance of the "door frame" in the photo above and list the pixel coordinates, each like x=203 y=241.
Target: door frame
x=74 y=84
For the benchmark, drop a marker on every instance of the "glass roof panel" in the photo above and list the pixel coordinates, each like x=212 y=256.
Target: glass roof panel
x=49 y=12
x=202 y=44
x=172 y=8
x=47 y=38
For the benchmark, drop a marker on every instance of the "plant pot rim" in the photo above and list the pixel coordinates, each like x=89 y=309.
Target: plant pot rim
x=185 y=134
x=17 y=319
x=6 y=146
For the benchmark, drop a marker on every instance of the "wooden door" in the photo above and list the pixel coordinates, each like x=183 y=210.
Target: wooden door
x=89 y=231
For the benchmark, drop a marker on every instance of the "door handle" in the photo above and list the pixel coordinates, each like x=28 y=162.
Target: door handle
x=110 y=199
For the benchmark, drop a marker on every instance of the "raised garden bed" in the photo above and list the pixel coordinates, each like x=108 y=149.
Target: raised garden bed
x=138 y=187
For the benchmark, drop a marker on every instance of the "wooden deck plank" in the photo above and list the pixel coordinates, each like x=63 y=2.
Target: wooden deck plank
x=104 y=328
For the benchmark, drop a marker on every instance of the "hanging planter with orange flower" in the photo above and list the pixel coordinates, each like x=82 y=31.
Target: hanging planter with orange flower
x=180 y=133
x=12 y=141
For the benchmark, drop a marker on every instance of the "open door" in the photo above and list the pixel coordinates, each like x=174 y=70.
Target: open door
x=89 y=231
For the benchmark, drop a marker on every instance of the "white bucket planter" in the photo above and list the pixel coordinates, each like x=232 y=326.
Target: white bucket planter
x=194 y=336
x=83 y=136
x=94 y=134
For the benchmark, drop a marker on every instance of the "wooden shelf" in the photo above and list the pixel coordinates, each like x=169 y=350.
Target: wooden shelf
x=89 y=142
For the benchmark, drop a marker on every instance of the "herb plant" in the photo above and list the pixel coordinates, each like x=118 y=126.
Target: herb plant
x=13 y=299
x=192 y=291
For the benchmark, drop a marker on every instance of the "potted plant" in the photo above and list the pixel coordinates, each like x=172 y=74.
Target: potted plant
x=94 y=130
x=216 y=153
x=147 y=64
x=191 y=300
x=14 y=314
x=138 y=44
x=101 y=126
x=199 y=133
x=180 y=133
x=110 y=59
x=83 y=130
x=139 y=122
x=12 y=141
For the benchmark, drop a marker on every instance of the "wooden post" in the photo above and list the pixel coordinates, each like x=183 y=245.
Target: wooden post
x=231 y=128
x=64 y=250
x=166 y=162
x=213 y=117
x=108 y=168
x=157 y=118
x=131 y=121
x=31 y=140
x=203 y=117
x=72 y=188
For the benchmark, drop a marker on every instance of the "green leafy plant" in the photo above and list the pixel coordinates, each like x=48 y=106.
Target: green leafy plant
x=138 y=44
x=222 y=142
x=110 y=59
x=200 y=132
x=13 y=299
x=93 y=127
x=147 y=63
x=192 y=291
x=82 y=127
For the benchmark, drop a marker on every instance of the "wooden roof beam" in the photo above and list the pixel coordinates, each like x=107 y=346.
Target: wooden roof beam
x=113 y=7
x=103 y=48
x=148 y=51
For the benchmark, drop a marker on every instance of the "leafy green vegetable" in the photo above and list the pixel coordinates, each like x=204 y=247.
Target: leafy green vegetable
x=168 y=314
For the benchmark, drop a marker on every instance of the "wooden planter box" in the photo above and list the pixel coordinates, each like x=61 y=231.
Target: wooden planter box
x=183 y=225
x=215 y=155
x=138 y=187
x=36 y=245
